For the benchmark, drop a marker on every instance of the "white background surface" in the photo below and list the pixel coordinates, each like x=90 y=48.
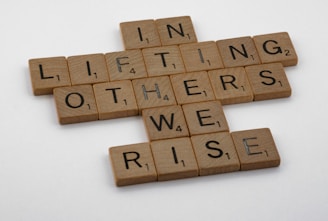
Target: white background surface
x=53 y=172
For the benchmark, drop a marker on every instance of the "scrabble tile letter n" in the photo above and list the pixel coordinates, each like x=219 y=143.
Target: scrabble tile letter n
x=176 y=30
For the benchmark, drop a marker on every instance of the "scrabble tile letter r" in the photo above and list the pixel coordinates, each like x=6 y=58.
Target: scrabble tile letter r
x=132 y=164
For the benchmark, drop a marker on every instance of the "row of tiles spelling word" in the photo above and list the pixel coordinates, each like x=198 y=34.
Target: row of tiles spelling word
x=199 y=155
x=130 y=97
x=49 y=73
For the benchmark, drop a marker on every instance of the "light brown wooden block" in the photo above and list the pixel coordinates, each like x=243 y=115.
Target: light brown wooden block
x=165 y=122
x=75 y=104
x=201 y=56
x=132 y=164
x=237 y=52
x=176 y=30
x=140 y=34
x=115 y=99
x=205 y=117
x=48 y=73
x=215 y=153
x=87 y=69
x=256 y=149
x=192 y=87
x=268 y=81
x=124 y=65
x=163 y=61
x=153 y=92
x=230 y=85
x=174 y=159
x=276 y=47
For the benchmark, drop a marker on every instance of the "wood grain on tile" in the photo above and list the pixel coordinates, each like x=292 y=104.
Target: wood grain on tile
x=231 y=85
x=115 y=99
x=192 y=87
x=174 y=159
x=276 y=47
x=132 y=164
x=256 y=149
x=215 y=153
x=48 y=73
x=75 y=104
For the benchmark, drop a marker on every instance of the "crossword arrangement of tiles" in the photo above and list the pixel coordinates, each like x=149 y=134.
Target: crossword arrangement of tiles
x=178 y=85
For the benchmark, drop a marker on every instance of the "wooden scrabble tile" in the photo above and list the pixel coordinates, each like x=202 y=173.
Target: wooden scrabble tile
x=132 y=164
x=268 y=81
x=174 y=159
x=163 y=60
x=205 y=117
x=192 y=87
x=165 y=122
x=256 y=149
x=230 y=85
x=48 y=73
x=276 y=47
x=115 y=99
x=153 y=92
x=140 y=34
x=75 y=104
x=87 y=69
x=176 y=30
x=201 y=56
x=237 y=52
x=215 y=153
x=124 y=65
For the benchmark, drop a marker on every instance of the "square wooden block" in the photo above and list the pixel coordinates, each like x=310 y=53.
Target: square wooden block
x=201 y=56
x=215 y=153
x=115 y=99
x=176 y=30
x=238 y=52
x=231 y=85
x=268 y=81
x=192 y=87
x=165 y=122
x=256 y=149
x=276 y=47
x=87 y=69
x=123 y=65
x=153 y=92
x=140 y=34
x=205 y=117
x=48 y=73
x=132 y=164
x=163 y=61
x=174 y=159
x=75 y=104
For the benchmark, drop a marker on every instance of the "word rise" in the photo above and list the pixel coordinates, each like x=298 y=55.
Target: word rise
x=178 y=85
